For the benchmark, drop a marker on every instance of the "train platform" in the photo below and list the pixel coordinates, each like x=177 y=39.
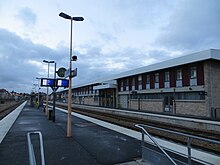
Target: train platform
x=89 y=144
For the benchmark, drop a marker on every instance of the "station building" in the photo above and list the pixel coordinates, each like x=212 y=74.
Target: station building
x=188 y=85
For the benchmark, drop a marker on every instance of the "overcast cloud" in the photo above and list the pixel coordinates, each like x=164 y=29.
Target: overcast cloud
x=116 y=36
x=27 y=16
x=194 y=25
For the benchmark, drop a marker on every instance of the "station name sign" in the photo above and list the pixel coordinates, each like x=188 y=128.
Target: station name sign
x=47 y=82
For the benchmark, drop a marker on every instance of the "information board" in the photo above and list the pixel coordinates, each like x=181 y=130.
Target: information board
x=62 y=83
x=47 y=82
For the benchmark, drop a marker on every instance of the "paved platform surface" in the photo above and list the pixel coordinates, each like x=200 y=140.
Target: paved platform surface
x=90 y=143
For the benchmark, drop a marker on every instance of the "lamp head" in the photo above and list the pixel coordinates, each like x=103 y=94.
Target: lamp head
x=64 y=15
x=74 y=58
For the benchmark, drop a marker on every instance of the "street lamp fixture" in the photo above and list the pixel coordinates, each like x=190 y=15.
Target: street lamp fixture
x=48 y=62
x=66 y=16
x=74 y=58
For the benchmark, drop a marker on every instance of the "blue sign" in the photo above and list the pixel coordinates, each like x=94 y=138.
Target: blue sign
x=62 y=83
x=47 y=82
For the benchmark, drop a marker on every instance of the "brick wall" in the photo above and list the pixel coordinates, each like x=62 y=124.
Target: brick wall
x=134 y=104
x=148 y=105
x=152 y=105
x=212 y=84
x=195 y=108
x=90 y=101
x=86 y=100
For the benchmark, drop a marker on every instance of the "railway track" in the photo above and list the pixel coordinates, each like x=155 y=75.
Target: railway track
x=4 y=111
x=129 y=122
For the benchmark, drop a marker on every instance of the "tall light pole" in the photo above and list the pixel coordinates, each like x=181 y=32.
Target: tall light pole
x=69 y=120
x=48 y=62
x=35 y=93
x=35 y=88
x=54 y=93
x=38 y=92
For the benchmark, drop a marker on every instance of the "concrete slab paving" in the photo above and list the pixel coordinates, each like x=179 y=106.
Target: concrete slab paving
x=8 y=121
x=90 y=143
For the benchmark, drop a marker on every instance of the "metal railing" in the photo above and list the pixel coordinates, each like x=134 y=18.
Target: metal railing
x=155 y=142
x=32 y=159
x=189 y=139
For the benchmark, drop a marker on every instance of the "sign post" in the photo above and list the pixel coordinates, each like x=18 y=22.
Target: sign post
x=54 y=84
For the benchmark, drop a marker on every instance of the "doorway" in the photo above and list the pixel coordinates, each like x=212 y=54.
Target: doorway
x=168 y=103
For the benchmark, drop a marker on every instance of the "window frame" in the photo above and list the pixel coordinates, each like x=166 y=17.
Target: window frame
x=193 y=72
x=167 y=76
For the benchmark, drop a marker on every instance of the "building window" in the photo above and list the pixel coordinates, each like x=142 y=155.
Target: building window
x=167 y=80
x=190 y=96
x=157 y=78
x=133 y=83
x=122 y=85
x=127 y=84
x=140 y=82
x=156 y=83
x=96 y=98
x=193 y=76
x=179 y=82
x=90 y=90
x=193 y=72
x=179 y=74
x=148 y=82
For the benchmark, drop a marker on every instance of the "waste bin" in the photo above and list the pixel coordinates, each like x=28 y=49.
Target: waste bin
x=50 y=113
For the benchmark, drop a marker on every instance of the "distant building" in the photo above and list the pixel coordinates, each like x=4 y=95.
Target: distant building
x=187 y=85
x=4 y=94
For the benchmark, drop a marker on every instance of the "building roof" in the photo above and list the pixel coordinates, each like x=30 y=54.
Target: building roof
x=186 y=59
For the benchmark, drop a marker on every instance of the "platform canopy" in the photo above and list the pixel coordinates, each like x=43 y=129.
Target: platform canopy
x=105 y=86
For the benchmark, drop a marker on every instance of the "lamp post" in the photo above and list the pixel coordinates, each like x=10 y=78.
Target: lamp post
x=38 y=92
x=35 y=93
x=54 y=93
x=69 y=119
x=48 y=62
x=35 y=88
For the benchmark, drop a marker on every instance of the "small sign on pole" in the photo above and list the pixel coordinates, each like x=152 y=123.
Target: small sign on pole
x=74 y=73
x=67 y=73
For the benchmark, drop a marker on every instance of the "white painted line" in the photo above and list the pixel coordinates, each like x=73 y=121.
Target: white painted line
x=8 y=121
x=204 y=156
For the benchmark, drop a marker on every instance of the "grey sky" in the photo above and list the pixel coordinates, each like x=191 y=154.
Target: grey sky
x=116 y=36
x=27 y=16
